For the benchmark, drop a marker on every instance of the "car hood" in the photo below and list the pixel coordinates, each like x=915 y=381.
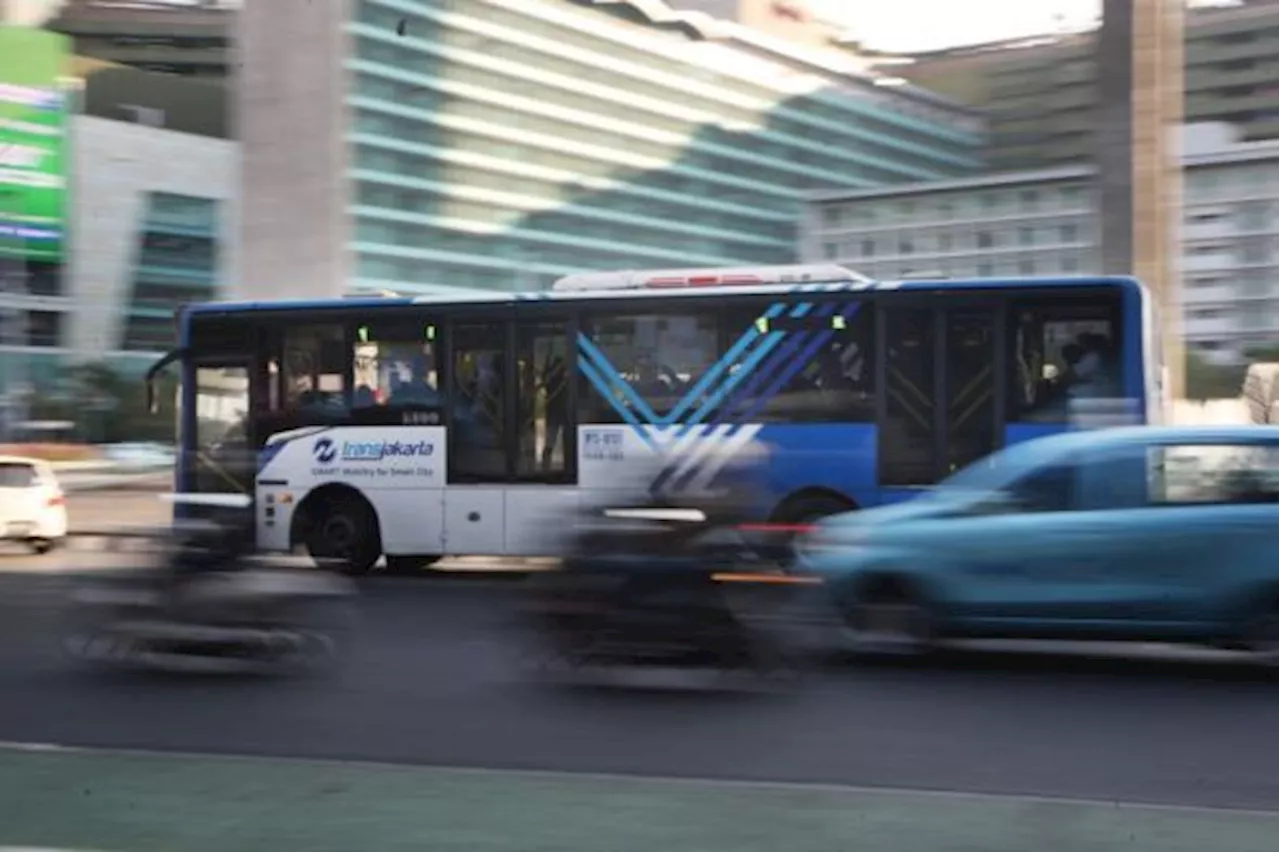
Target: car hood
x=924 y=507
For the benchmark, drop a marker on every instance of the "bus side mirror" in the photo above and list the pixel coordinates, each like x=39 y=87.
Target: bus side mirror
x=153 y=403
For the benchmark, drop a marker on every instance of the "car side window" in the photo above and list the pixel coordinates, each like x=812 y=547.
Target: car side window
x=1051 y=489
x=17 y=475
x=1203 y=474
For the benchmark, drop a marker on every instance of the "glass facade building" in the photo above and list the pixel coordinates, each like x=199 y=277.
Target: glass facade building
x=504 y=143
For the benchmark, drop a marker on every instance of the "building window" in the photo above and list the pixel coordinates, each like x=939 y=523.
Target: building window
x=1026 y=237
x=1070 y=263
x=1069 y=233
x=830 y=250
x=1259 y=216
x=984 y=270
x=868 y=248
x=44 y=328
x=944 y=241
x=985 y=240
x=1257 y=251
x=905 y=246
x=1030 y=199
x=831 y=216
x=1026 y=266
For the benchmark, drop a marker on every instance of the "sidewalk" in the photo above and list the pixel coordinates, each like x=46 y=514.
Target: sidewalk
x=154 y=803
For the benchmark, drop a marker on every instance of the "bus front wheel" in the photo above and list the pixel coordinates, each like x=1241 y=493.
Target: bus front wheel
x=343 y=534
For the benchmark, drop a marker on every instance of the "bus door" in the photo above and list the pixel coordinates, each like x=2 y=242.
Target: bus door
x=940 y=409
x=220 y=456
x=510 y=433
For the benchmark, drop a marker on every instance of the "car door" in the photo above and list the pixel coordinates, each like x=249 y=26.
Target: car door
x=1204 y=529
x=1030 y=560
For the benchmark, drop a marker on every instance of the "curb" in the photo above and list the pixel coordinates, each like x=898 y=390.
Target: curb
x=109 y=482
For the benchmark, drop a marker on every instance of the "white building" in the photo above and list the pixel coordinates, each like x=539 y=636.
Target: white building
x=1046 y=223
x=151 y=224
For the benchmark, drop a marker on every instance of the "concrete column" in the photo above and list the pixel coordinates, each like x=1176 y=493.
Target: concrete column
x=1139 y=115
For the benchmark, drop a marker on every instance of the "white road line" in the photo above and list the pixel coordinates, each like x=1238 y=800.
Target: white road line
x=671 y=780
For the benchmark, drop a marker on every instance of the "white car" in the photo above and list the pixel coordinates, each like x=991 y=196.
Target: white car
x=33 y=509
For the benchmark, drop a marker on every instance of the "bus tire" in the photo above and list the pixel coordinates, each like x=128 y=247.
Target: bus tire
x=342 y=531
x=808 y=508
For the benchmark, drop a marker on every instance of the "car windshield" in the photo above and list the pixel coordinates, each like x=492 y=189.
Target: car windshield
x=996 y=469
x=16 y=475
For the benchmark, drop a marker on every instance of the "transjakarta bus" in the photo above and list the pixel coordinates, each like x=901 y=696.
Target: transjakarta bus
x=418 y=427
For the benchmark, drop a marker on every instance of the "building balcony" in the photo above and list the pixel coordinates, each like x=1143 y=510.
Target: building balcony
x=1204 y=296
x=1216 y=327
x=1208 y=262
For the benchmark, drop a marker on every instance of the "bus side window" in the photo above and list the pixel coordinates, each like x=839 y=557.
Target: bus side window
x=1062 y=351
x=820 y=368
x=638 y=367
x=394 y=373
x=314 y=368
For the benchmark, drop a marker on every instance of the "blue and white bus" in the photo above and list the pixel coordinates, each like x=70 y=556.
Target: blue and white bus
x=420 y=427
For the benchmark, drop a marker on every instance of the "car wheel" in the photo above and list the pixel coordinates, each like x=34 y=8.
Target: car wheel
x=889 y=618
x=41 y=546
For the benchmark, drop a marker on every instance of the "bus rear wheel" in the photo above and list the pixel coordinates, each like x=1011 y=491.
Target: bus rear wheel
x=344 y=536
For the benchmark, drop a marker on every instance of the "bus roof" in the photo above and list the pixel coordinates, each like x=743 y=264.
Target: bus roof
x=740 y=276
x=840 y=285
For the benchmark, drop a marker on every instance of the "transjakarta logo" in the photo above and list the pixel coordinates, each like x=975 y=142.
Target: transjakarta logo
x=326 y=450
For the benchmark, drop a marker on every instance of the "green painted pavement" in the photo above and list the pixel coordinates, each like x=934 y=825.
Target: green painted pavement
x=171 y=803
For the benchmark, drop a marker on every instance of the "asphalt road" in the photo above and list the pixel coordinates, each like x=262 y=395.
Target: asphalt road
x=437 y=679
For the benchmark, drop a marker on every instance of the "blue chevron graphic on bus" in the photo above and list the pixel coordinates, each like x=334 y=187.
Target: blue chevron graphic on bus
x=766 y=361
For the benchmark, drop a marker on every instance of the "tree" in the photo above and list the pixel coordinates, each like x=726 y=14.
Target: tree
x=1262 y=354
x=107 y=407
x=1206 y=380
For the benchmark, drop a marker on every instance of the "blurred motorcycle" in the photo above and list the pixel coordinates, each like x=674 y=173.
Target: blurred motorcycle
x=212 y=606
x=667 y=580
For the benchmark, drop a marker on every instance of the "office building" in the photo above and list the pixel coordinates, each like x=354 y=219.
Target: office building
x=421 y=146
x=152 y=227
x=1040 y=94
x=191 y=39
x=115 y=207
x=1045 y=222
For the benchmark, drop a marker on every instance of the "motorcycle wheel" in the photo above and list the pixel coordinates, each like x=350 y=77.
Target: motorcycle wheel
x=86 y=638
x=315 y=638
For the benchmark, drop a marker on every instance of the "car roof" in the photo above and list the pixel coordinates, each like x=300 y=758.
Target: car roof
x=1121 y=436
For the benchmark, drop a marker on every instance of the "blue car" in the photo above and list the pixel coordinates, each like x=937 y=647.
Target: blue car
x=1152 y=534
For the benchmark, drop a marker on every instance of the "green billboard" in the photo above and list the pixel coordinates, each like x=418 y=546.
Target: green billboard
x=34 y=97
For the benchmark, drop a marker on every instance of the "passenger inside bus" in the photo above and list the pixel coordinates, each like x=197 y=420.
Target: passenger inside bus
x=1087 y=370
